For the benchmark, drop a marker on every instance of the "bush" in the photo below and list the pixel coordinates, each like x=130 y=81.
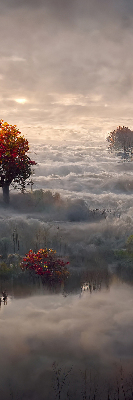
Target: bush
x=46 y=264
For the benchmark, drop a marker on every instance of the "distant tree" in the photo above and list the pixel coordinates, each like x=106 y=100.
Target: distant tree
x=15 y=164
x=121 y=139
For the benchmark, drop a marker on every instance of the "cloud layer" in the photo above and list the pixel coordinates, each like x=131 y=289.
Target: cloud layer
x=67 y=59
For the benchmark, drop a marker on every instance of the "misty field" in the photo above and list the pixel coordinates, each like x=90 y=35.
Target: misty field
x=72 y=339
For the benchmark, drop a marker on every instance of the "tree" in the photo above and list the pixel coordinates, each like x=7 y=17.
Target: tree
x=129 y=244
x=46 y=264
x=121 y=138
x=15 y=164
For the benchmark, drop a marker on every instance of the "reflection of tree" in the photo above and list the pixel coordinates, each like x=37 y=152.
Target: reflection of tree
x=23 y=283
x=87 y=281
x=95 y=279
x=90 y=384
x=60 y=379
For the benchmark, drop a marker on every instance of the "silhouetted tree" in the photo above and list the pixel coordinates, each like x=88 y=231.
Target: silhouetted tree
x=15 y=165
x=121 y=138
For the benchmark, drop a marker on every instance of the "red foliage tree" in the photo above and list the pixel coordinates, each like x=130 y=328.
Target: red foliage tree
x=46 y=264
x=15 y=165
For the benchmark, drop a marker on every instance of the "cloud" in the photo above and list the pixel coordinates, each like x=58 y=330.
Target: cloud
x=79 y=52
x=11 y=58
x=21 y=101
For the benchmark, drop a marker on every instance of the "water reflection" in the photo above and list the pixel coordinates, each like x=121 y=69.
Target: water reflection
x=27 y=285
x=67 y=343
x=3 y=298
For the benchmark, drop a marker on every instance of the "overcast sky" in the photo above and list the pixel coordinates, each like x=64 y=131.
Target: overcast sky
x=64 y=61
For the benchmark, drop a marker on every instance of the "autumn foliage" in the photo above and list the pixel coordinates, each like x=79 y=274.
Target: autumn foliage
x=15 y=164
x=46 y=264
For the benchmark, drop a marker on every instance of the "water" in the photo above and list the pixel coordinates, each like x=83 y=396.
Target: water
x=86 y=334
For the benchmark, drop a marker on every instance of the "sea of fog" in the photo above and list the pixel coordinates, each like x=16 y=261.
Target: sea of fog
x=74 y=342
x=82 y=195
x=81 y=202
x=77 y=164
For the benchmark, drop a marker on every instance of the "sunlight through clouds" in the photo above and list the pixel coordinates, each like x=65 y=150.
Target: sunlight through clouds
x=21 y=101
x=68 y=59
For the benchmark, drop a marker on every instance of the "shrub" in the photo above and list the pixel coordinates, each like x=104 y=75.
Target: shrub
x=46 y=264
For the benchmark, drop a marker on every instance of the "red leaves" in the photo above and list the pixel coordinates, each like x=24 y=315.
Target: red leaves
x=15 y=164
x=45 y=263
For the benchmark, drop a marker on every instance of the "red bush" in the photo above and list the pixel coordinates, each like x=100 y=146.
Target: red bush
x=46 y=264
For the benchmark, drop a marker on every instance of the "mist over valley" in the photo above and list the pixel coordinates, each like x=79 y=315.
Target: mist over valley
x=66 y=232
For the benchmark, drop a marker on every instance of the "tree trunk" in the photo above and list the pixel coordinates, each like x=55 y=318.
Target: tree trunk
x=6 y=193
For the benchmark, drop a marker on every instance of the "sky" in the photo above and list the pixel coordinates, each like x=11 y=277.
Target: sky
x=66 y=62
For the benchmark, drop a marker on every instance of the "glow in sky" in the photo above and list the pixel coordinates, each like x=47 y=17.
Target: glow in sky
x=21 y=101
x=72 y=60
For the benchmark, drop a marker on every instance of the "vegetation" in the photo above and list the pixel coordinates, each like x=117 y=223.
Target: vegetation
x=121 y=139
x=129 y=244
x=46 y=264
x=127 y=252
x=8 y=271
x=15 y=164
